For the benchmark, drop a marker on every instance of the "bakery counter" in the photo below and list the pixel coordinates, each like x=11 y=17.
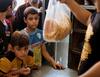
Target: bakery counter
x=48 y=71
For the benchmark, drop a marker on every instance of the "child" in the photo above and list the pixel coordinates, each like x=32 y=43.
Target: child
x=31 y=18
x=14 y=63
x=19 y=23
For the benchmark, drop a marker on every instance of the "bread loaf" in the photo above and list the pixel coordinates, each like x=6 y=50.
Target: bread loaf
x=54 y=30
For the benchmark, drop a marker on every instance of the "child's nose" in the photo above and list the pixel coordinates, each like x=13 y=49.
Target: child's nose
x=34 y=20
x=24 y=53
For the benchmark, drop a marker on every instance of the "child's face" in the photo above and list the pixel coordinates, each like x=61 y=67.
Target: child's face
x=21 y=52
x=32 y=21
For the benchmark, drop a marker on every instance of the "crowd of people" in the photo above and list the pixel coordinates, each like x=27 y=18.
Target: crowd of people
x=21 y=40
x=21 y=36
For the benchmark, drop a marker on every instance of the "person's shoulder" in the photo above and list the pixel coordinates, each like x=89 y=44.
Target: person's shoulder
x=10 y=56
x=5 y=65
x=23 y=31
x=23 y=6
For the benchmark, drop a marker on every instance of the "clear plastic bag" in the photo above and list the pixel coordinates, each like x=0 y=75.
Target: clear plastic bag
x=57 y=24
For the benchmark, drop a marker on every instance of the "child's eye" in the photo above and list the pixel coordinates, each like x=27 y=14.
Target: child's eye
x=36 y=18
x=30 y=18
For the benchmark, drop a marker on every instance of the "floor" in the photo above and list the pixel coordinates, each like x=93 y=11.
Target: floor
x=48 y=71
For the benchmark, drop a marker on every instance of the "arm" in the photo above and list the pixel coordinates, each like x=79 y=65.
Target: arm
x=50 y=59
x=80 y=13
x=12 y=73
x=46 y=54
x=16 y=72
x=93 y=72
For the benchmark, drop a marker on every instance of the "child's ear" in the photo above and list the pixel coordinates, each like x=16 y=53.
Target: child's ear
x=10 y=48
x=24 y=20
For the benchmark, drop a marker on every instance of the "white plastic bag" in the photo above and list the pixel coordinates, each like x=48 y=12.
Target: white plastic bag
x=57 y=24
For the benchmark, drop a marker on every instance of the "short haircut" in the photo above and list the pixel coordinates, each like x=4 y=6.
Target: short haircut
x=19 y=39
x=4 y=4
x=34 y=1
x=30 y=10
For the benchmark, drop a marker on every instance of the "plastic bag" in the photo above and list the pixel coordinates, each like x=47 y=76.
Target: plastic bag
x=57 y=24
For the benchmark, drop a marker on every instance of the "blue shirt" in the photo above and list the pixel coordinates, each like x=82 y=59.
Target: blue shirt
x=36 y=37
x=36 y=40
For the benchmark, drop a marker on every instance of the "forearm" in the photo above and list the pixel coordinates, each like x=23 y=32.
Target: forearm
x=46 y=55
x=80 y=13
x=93 y=71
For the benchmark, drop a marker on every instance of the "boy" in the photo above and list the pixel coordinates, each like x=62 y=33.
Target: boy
x=14 y=63
x=19 y=23
x=91 y=49
x=31 y=18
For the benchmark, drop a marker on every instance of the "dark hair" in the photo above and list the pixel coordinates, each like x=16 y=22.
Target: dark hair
x=18 y=39
x=34 y=1
x=4 y=4
x=40 y=4
x=30 y=10
x=91 y=2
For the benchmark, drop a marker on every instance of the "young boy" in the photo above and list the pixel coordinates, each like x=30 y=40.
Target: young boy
x=19 y=23
x=16 y=61
x=31 y=18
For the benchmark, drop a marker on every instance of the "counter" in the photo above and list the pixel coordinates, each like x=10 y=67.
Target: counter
x=48 y=71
